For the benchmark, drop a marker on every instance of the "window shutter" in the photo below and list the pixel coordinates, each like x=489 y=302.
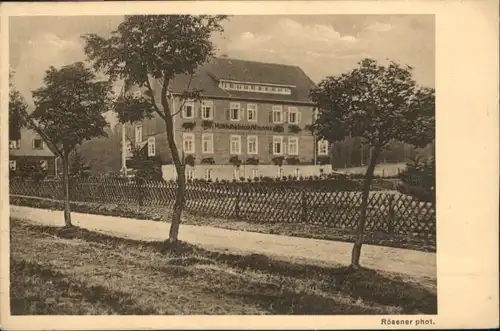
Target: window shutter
x=271 y=116
x=284 y=146
x=299 y=117
x=242 y=113
x=228 y=114
x=271 y=147
x=285 y=118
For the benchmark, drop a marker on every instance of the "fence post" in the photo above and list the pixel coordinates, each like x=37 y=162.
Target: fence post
x=237 y=203
x=392 y=214
x=304 y=206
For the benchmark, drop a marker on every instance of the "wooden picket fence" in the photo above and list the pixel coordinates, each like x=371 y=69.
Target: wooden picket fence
x=323 y=202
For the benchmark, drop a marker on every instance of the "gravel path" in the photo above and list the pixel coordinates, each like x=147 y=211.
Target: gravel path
x=416 y=264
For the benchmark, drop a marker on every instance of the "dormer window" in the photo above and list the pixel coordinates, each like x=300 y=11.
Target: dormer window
x=256 y=87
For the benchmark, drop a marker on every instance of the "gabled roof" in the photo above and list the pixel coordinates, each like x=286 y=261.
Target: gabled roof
x=208 y=76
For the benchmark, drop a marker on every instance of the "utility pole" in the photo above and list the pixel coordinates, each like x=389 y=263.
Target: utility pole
x=124 y=142
x=315 y=149
x=362 y=161
x=124 y=152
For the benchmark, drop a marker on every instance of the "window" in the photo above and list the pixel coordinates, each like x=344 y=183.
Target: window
x=207 y=142
x=293 y=145
x=255 y=173
x=14 y=144
x=278 y=145
x=138 y=134
x=234 y=111
x=323 y=147
x=151 y=146
x=208 y=174
x=207 y=110
x=12 y=164
x=293 y=115
x=235 y=144
x=252 y=112
x=252 y=145
x=297 y=172
x=44 y=164
x=37 y=144
x=188 y=109
x=188 y=142
x=277 y=114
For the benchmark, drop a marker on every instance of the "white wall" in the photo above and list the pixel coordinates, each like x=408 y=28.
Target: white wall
x=227 y=171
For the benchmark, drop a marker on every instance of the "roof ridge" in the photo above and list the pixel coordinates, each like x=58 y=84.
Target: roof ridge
x=260 y=62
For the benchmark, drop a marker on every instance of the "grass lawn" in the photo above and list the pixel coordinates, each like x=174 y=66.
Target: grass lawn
x=60 y=271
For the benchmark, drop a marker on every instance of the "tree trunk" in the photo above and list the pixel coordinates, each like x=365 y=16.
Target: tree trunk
x=179 y=204
x=180 y=168
x=67 y=210
x=356 y=250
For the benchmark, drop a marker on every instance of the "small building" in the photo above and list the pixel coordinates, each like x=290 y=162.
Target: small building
x=253 y=113
x=30 y=149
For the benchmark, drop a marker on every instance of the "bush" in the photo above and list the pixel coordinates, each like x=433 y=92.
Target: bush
x=190 y=160
x=252 y=161
x=29 y=169
x=188 y=125
x=278 y=128
x=207 y=124
x=235 y=160
x=208 y=160
x=266 y=179
x=293 y=160
x=419 y=179
x=278 y=160
x=293 y=128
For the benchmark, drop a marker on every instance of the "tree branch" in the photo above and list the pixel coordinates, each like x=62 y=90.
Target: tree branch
x=32 y=125
x=184 y=100
x=157 y=110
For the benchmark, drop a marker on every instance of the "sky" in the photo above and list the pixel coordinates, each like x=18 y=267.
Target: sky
x=322 y=45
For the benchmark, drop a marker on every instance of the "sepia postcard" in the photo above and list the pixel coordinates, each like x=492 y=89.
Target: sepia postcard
x=249 y=165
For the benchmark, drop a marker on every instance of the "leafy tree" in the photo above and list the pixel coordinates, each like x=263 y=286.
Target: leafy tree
x=68 y=110
x=103 y=153
x=77 y=167
x=419 y=179
x=378 y=104
x=19 y=117
x=17 y=111
x=145 y=168
x=150 y=50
